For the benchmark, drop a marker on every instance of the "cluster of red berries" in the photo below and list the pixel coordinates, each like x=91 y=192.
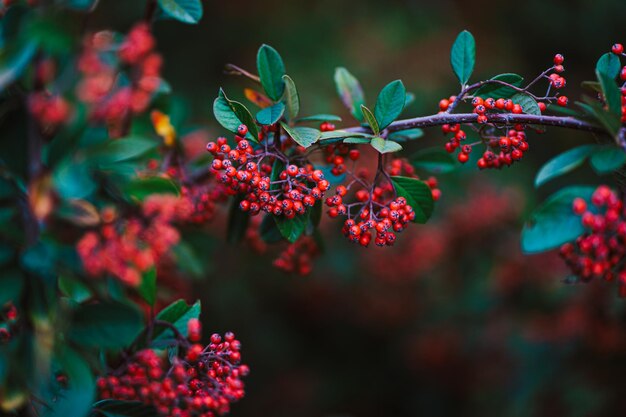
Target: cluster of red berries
x=298 y=257
x=557 y=81
x=336 y=154
x=199 y=382
x=599 y=252
x=243 y=171
x=127 y=248
x=99 y=68
x=505 y=150
x=618 y=49
x=8 y=318
x=49 y=110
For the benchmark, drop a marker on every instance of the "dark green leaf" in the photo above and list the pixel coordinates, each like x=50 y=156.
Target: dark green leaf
x=116 y=408
x=117 y=150
x=496 y=91
x=404 y=135
x=418 y=195
x=106 y=325
x=230 y=114
x=74 y=289
x=370 y=119
x=529 y=105
x=292 y=229
x=291 y=98
x=563 y=163
x=187 y=259
x=609 y=65
x=320 y=118
x=611 y=92
x=357 y=140
x=271 y=71
x=385 y=146
x=186 y=11
x=269 y=230
x=178 y=313
x=238 y=221
x=11 y=284
x=11 y=68
x=554 y=223
x=82 y=5
x=140 y=188
x=148 y=289
x=607 y=159
x=350 y=92
x=390 y=103
x=303 y=136
x=270 y=115
x=434 y=160
x=463 y=56
x=609 y=120
x=593 y=86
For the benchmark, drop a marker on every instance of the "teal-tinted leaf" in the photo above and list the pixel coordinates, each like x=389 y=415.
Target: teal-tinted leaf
x=117 y=150
x=291 y=98
x=390 y=103
x=271 y=71
x=529 y=105
x=106 y=325
x=116 y=408
x=72 y=288
x=178 y=313
x=410 y=98
x=271 y=115
x=186 y=11
x=404 y=135
x=148 y=289
x=230 y=114
x=418 y=195
x=496 y=91
x=357 y=140
x=77 y=398
x=608 y=64
x=370 y=119
x=12 y=67
x=82 y=5
x=611 y=92
x=434 y=160
x=320 y=118
x=350 y=92
x=385 y=146
x=330 y=177
x=563 y=163
x=608 y=158
x=303 y=136
x=554 y=223
x=140 y=188
x=238 y=221
x=609 y=120
x=341 y=134
x=72 y=179
x=463 y=56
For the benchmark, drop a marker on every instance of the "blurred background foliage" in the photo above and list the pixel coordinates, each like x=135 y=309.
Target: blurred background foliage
x=454 y=320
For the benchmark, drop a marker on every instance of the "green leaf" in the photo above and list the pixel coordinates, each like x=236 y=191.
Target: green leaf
x=186 y=11
x=610 y=121
x=292 y=229
x=269 y=230
x=529 y=105
x=187 y=259
x=291 y=98
x=608 y=158
x=357 y=140
x=608 y=64
x=350 y=92
x=434 y=160
x=178 y=313
x=463 y=56
x=140 y=188
x=370 y=119
x=563 y=163
x=404 y=135
x=335 y=134
x=500 y=91
x=230 y=114
x=106 y=325
x=238 y=221
x=385 y=146
x=271 y=71
x=148 y=289
x=270 y=115
x=12 y=67
x=611 y=92
x=11 y=285
x=554 y=222
x=117 y=150
x=319 y=118
x=82 y=5
x=117 y=408
x=303 y=136
x=72 y=179
x=417 y=194
x=593 y=86
x=390 y=103
x=72 y=288
x=77 y=399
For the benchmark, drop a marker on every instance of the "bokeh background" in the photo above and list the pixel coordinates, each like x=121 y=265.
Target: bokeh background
x=454 y=320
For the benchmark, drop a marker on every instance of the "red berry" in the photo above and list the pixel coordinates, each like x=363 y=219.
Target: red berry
x=617 y=48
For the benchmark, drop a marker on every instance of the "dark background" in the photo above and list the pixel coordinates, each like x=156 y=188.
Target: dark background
x=454 y=320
